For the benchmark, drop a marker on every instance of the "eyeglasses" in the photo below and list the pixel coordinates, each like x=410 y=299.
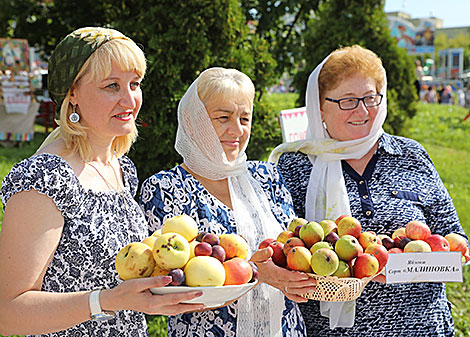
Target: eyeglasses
x=350 y=103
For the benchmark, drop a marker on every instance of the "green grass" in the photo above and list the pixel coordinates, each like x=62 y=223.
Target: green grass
x=441 y=131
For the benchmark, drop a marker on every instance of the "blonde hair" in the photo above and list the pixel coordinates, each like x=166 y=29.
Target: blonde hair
x=222 y=83
x=346 y=62
x=129 y=57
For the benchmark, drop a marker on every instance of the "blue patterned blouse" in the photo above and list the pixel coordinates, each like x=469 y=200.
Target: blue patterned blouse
x=399 y=184
x=174 y=192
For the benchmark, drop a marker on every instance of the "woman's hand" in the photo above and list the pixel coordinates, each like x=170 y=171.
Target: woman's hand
x=292 y=283
x=135 y=295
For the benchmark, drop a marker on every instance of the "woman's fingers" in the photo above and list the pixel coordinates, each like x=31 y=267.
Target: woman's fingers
x=262 y=255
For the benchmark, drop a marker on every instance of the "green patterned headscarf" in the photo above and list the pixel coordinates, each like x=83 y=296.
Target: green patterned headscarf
x=70 y=55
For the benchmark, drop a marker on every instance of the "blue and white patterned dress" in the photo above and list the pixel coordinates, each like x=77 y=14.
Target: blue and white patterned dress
x=96 y=226
x=174 y=192
x=399 y=184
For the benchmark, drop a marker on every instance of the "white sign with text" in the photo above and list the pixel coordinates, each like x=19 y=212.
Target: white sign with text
x=293 y=124
x=424 y=267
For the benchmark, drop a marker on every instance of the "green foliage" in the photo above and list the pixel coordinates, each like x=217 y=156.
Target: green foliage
x=340 y=23
x=281 y=24
x=157 y=325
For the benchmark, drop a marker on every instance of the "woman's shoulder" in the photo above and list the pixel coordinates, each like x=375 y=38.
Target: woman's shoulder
x=403 y=145
x=47 y=173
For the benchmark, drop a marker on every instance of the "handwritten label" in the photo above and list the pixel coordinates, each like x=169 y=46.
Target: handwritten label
x=424 y=267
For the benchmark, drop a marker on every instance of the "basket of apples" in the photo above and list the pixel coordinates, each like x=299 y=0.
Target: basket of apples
x=416 y=237
x=338 y=254
x=214 y=264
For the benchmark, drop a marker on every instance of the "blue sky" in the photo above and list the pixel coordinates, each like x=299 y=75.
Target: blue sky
x=454 y=13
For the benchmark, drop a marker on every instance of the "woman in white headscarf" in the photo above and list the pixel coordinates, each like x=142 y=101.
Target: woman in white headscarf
x=349 y=165
x=225 y=193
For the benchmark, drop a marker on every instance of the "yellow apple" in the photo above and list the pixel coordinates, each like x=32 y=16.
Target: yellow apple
x=181 y=224
x=157 y=233
x=134 y=261
x=234 y=246
x=150 y=241
x=171 y=251
x=192 y=244
x=204 y=271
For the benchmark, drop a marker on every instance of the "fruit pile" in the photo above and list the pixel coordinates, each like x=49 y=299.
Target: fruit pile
x=416 y=237
x=330 y=248
x=191 y=258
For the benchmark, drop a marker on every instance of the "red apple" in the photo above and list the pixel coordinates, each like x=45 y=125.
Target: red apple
x=417 y=230
x=366 y=265
x=265 y=243
x=338 y=219
x=380 y=253
x=237 y=271
x=291 y=243
x=457 y=243
x=349 y=226
x=395 y=250
x=298 y=258
x=438 y=243
x=278 y=256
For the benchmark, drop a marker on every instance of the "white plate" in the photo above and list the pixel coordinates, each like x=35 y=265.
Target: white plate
x=211 y=296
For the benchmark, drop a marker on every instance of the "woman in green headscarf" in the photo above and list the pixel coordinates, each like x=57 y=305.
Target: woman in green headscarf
x=70 y=208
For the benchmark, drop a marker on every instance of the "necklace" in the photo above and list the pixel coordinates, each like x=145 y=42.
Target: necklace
x=120 y=189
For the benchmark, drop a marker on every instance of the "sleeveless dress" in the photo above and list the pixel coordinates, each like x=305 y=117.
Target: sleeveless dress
x=96 y=226
x=175 y=192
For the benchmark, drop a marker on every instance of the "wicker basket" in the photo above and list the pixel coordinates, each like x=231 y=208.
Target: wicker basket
x=334 y=289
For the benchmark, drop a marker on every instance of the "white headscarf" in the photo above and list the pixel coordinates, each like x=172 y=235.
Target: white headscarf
x=327 y=197
x=259 y=311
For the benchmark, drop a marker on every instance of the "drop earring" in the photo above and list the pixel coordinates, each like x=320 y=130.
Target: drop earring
x=74 y=116
x=324 y=125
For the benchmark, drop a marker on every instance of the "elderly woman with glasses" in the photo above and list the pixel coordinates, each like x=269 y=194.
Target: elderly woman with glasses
x=349 y=165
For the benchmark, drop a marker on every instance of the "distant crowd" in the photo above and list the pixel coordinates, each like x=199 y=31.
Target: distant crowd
x=445 y=94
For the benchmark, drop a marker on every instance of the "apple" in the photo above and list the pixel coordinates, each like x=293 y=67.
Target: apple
x=204 y=271
x=291 y=243
x=192 y=245
x=457 y=243
x=321 y=244
x=416 y=246
x=237 y=271
x=265 y=243
x=150 y=240
x=343 y=270
x=331 y=237
x=278 y=256
x=347 y=247
x=328 y=226
x=438 y=243
x=388 y=242
x=365 y=265
x=324 y=262
x=211 y=239
x=177 y=276
x=296 y=222
x=417 y=230
x=203 y=249
x=299 y=259
x=157 y=271
x=399 y=232
x=171 y=251
x=297 y=231
x=134 y=261
x=311 y=233
x=349 y=226
x=219 y=253
x=338 y=219
x=284 y=236
x=366 y=239
x=234 y=246
x=182 y=224
x=157 y=233
x=403 y=242
x=380 y=253
x=395 y=250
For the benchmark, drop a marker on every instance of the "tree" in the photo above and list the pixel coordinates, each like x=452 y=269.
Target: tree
x=340 y=23
x=281 y=24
